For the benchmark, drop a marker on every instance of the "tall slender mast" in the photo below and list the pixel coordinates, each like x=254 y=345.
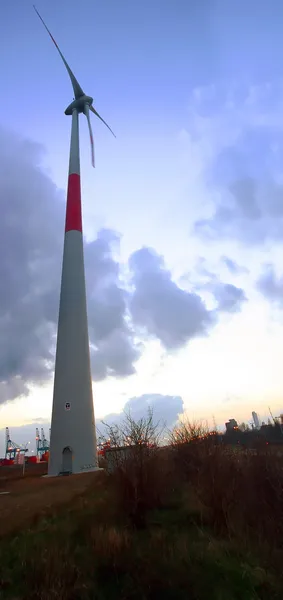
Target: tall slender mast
x=73 y=438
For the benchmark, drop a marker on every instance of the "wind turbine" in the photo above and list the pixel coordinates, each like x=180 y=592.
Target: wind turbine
x=81 y=102
x=73 y=437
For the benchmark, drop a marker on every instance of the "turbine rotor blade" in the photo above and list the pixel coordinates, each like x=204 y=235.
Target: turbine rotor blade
x=98 y=115
x=76 y=86
x=86 y=112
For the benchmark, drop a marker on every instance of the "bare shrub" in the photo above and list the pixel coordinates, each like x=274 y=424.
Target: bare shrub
x=243 y=493
x=191 y=442
x=262 y=506
x=241 y=490
x=207 y=466
x=135 y=463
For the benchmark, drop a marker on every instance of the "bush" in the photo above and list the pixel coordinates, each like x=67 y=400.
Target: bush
x=137 y=466
x=191 y=443
x=241 y=491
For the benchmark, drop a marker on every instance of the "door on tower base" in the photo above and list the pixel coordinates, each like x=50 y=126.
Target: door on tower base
x=67 y=458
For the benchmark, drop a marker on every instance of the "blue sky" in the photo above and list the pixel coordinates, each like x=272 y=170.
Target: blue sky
x=193 y=91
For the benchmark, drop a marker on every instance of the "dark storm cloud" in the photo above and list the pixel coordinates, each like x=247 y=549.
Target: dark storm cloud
x=271 y=286
x=166 y=410
x=173 y=315
x=115 y=354
x=249 y=207
x=229 y=298
x=31 y=217
x=232 y=266
x=31 y=244
x=162 y=308
x=250 y=211
x=115 y=351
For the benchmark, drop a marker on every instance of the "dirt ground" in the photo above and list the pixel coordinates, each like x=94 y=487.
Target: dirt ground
x=34 y=496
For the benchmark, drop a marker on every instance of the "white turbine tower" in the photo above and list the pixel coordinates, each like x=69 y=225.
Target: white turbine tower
x=73 y=437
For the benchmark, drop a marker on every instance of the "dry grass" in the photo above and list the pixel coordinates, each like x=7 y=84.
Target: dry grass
x=10 y=474
x=87 y=553
x=33 y=498
x=241 y=492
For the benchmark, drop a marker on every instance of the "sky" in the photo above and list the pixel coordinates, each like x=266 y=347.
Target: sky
x=183 y=214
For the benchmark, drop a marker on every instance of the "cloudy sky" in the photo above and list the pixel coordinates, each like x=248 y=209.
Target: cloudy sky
x=183 y=215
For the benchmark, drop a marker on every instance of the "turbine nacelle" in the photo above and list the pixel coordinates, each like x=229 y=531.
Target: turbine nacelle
x=79 y=104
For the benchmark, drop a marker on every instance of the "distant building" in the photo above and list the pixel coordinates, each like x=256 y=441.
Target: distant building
x=256 y=419
x=231 y=424
x=244 y=427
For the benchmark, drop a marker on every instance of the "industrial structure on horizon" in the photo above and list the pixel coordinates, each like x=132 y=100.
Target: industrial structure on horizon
x=231 y=424
x=245 y=434
x=16 y=453
x=13 y=452
x=42 y=444
x=255 y=420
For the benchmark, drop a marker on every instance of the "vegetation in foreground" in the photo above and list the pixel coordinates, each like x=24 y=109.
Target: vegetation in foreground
x=196 y=520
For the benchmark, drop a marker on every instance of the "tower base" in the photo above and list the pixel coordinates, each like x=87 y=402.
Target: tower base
x=66 y=474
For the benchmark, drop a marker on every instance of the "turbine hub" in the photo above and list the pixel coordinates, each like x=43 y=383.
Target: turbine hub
x=79 y=104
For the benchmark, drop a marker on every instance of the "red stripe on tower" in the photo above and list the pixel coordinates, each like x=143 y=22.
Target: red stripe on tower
x=74 y=207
